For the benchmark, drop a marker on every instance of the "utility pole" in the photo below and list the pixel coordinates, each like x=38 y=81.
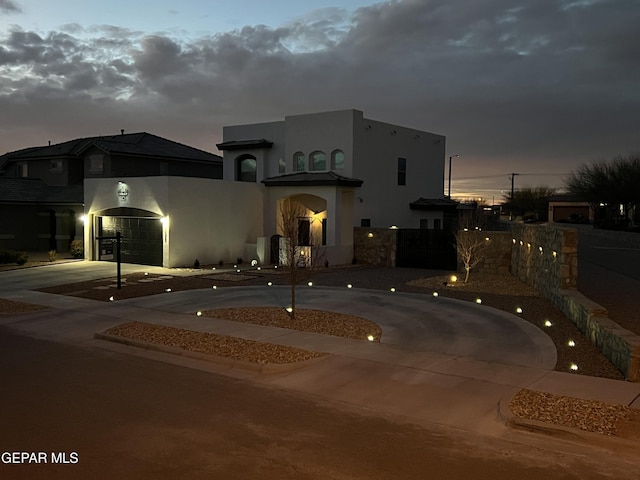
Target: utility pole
x=513 y=177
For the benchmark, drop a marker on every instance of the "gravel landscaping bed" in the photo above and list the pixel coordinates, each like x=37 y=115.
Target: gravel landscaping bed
x=316 y=321
x=587 y=415
x=12 y=307
x=261 y=353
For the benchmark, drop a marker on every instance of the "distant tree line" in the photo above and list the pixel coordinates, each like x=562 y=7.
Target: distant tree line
x=532 y=203
x=612 y=186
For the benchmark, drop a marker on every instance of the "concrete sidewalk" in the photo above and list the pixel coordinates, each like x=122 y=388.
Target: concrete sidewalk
x=441 y=360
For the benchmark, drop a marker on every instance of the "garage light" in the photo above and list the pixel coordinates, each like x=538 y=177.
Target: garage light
x=84 y=219
x=164 y=221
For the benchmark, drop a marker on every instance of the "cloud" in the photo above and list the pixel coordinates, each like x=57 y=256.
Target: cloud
x=513 y=84
x=9 y=6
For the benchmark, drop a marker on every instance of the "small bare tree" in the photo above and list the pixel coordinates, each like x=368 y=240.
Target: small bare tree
x=300 y=252
x=471 y=242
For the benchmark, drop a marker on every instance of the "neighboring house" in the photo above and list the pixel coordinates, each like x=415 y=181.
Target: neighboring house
x=569 y=209
x=345 y=170
x=41 y=194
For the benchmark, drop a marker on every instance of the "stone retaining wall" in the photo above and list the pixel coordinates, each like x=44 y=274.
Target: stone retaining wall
x=546 y=258
x=375 y=246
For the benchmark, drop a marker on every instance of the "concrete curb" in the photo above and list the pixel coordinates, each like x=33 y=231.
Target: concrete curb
x=268 y=369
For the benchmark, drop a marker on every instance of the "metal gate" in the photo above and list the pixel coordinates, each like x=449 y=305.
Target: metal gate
x=422 y=248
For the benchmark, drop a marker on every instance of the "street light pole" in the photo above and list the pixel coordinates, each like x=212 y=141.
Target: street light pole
x=449 y=191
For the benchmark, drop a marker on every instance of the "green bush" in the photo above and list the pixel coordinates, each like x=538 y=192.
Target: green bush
x=22 y=258
x=76 y=249
x=7 y=256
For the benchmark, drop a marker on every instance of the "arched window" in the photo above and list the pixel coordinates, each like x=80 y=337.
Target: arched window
x=299 y=163
x=246 y=168
x=318 y=161
x=337 y=160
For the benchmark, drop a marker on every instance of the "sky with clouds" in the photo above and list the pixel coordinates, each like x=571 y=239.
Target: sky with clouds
x=533 y=87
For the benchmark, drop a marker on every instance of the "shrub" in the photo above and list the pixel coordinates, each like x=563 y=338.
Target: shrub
x=76 y=249
x=52 y=255
x=239 y=260
x=22 y=258
x=221 y=263
x=7 y=256
x=196 y=263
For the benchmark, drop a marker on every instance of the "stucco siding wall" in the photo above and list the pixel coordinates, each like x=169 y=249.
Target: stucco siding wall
x=377 y=149
x=226 y=217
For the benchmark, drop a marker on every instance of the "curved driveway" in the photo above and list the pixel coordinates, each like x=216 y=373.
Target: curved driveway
x=411 y=322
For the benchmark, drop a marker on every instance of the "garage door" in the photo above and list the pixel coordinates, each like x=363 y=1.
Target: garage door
x=141 y=238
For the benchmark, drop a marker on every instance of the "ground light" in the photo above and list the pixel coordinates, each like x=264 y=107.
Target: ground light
x=392 y=289
x=289 y=309
x=371 y=338
x=547 y=323
x=269 y=284
x=478 y=301
x=349 y=285
x=199 y=313
x=167 y=290
x=435 y=294
x=571 y=343
x=214 y=287
x=111 y=299
x=574 y=367
x=518 y=310
x=310 y=284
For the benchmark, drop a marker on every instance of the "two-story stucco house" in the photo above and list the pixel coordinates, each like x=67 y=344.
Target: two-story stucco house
x=346 y=170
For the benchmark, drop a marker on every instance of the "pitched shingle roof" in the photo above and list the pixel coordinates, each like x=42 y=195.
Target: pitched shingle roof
x=33 y=190
x=136 y=144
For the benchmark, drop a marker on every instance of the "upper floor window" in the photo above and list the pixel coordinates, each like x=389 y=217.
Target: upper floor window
x=55 y=166
x=246 y=166
x=299 y=162
x=282 y=166
x=23 y=170
x=402 y=171
x=318 y=161
x=337 y=160
x=96 y=163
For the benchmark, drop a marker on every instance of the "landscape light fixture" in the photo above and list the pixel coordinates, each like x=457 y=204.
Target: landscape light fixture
x=449 y=189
